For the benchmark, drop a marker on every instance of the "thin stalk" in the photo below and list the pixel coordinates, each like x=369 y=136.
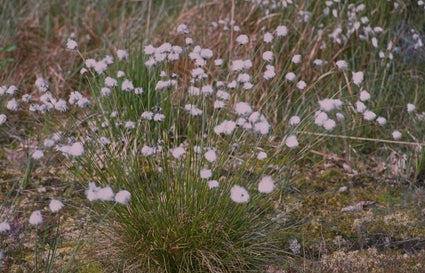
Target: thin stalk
x=53 y=253
x=364 y=139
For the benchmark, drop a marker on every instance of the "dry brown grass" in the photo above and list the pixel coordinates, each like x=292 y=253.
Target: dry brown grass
x=254 y=23
x=41 y=40
x=38 y=56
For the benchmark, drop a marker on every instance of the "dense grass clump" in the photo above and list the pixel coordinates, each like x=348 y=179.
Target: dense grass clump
x=211 y=136
x=175 y=223
x=180 y=171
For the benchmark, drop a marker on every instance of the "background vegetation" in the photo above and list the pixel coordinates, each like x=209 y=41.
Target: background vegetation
x=349 y=199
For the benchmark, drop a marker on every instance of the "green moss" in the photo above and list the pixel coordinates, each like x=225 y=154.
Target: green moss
x=94 y=267
x=392 y=215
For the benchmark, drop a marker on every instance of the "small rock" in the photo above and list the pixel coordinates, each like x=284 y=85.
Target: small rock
x=343 y=189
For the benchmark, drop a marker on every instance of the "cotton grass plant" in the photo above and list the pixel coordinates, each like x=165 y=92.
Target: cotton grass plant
x=195 y=185
x=176 y=223
x=184 y=152
x=181 y=175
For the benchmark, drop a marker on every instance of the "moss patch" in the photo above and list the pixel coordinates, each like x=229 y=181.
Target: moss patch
x=391 y=219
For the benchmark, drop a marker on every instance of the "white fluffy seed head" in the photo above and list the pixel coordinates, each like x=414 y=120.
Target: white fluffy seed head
x=290 y=76
x=36 y=218
x=341 y=64
x=210 y=155
x=77 y=149
x=301 y=85
x=364 y=95
x=243 y=108
x=12 y=105
x=369 y=115
x=122 y=54
x=123 y=197
x=358 y=77
x=3 y=119
x=262 y=127
x=226 y=127
x=105 y=194
x=281 y=31
x=294 y=120
x=320 y=118
x=55 y=205
x=296 y=59
x=148 y=151
x=360 y=107
x=268 y=37
x=205 y=173
x=111 y=82
x=178 y=152
x=4 y=227
x=381 y=121
x=291 y=141
x=71 y=44
x=127 y=85
x=239 y=194
x=396 y=134
x=182 y=29
x=213 y=184
x=329 y=124
x=340 y=116
x=42 y=84
x=266 y=184
x=37 y=154
x=105 y=91
x=242 y=39
x=268 y=56
x=261 y=155
x=327 y=105
x=410 y=107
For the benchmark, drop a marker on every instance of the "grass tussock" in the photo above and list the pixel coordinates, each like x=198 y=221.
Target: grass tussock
x=212 y=136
